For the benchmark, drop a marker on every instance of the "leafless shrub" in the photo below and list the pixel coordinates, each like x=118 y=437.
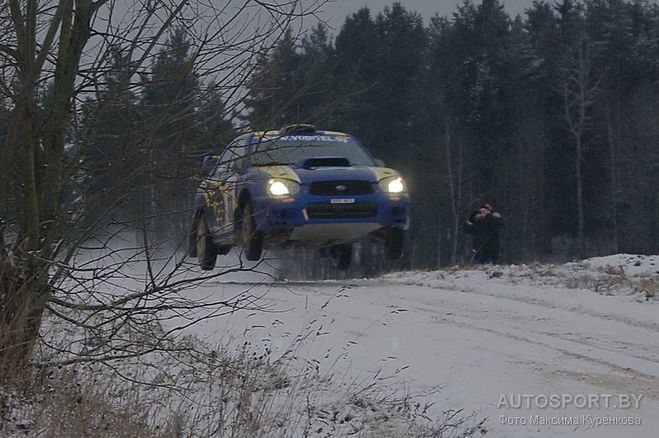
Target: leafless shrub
x=74 y=50
x=66 y=402
x=191 y=389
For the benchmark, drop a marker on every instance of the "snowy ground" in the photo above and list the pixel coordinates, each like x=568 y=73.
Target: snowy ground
x=572 y=343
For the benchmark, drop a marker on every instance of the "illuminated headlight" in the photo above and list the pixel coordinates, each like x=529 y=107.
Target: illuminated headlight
x=394 y=184
x=282 y=187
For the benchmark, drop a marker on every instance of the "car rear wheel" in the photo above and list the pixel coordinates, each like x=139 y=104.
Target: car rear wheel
x=206 y=250
x=192 y=239
x=341 y=256
x=251 y=239
x=224 y=250
x=394 y=244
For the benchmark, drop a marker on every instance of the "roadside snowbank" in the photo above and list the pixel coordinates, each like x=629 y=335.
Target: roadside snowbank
x=635 y=276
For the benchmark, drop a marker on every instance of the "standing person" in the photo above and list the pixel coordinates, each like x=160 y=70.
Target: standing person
x=484 y=225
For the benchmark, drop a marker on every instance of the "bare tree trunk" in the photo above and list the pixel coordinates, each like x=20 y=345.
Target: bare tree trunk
x=455 y=190
x=614 y=178
x=39 y=154
x=654 y=227
x=440 y=234
x=24 y=285
x=74 y=34
x=581 y=239
x=579 y=89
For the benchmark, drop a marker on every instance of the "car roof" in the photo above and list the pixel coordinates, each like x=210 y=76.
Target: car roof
x=281 y=132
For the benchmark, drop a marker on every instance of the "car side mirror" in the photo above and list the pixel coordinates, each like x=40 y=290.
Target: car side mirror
x=379 y=162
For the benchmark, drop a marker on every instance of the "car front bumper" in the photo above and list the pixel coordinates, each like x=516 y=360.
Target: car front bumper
x=308 y=218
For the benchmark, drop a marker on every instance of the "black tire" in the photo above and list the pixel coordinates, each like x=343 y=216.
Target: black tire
x=206 y=250
x=394 y=244
x=192 y=239
x=341 y=256
x=224 y=250
x=251 y=240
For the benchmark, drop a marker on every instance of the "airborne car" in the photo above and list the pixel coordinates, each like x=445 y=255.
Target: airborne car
x=297 y=187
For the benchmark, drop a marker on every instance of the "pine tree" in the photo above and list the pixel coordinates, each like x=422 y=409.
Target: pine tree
x=276 y=86
x=318 y=66
x=178 y=123
x=216 y=131
x=169 y=98
x=111 y=155
x=378 y=63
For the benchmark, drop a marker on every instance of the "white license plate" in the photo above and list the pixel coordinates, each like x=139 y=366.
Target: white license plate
x=343 y=201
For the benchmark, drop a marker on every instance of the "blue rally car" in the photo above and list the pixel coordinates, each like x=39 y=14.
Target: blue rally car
x=297 y=187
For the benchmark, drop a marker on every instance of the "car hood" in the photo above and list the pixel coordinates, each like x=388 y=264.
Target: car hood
x=306 y=175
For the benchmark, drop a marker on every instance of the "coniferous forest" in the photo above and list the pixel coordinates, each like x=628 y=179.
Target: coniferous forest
x=552 y=116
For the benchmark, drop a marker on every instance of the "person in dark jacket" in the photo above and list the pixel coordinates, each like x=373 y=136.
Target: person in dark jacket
x=484 y=224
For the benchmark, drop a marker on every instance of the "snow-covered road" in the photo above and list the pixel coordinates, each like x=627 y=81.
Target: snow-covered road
x=485 y=340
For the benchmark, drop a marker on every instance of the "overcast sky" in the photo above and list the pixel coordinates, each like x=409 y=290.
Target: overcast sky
x=336 y=11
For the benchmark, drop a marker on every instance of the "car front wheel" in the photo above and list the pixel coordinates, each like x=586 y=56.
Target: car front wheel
x=251 y=239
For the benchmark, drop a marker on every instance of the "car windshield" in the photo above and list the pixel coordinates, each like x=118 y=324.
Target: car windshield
x=291 y=149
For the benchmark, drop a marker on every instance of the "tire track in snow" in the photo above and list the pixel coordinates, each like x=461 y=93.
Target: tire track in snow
x=519 y=327
x=614 y=360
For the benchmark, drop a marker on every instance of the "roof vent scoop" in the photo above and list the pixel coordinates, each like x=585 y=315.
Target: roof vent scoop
x=300 y=127
x=308 y=163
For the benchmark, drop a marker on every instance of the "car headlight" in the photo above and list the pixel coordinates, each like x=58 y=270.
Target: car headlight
x=393 y=184
x=282 y=187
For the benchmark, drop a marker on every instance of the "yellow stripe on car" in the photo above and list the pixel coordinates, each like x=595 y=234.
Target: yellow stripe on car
x=383 y=172
x=281 y=172
x=337 y=133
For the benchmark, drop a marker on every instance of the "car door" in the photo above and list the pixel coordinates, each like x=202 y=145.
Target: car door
x=228 y=180
x=212 y=195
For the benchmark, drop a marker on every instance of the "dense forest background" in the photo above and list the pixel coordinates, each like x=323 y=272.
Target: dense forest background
x=552 y=117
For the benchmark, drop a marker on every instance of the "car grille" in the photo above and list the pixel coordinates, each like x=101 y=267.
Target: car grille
x=340 y=188
x=326 y=210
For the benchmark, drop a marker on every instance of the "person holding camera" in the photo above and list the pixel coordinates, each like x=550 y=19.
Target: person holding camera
x=484 y=224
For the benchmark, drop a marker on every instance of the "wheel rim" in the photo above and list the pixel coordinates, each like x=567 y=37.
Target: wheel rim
x=201 y=238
